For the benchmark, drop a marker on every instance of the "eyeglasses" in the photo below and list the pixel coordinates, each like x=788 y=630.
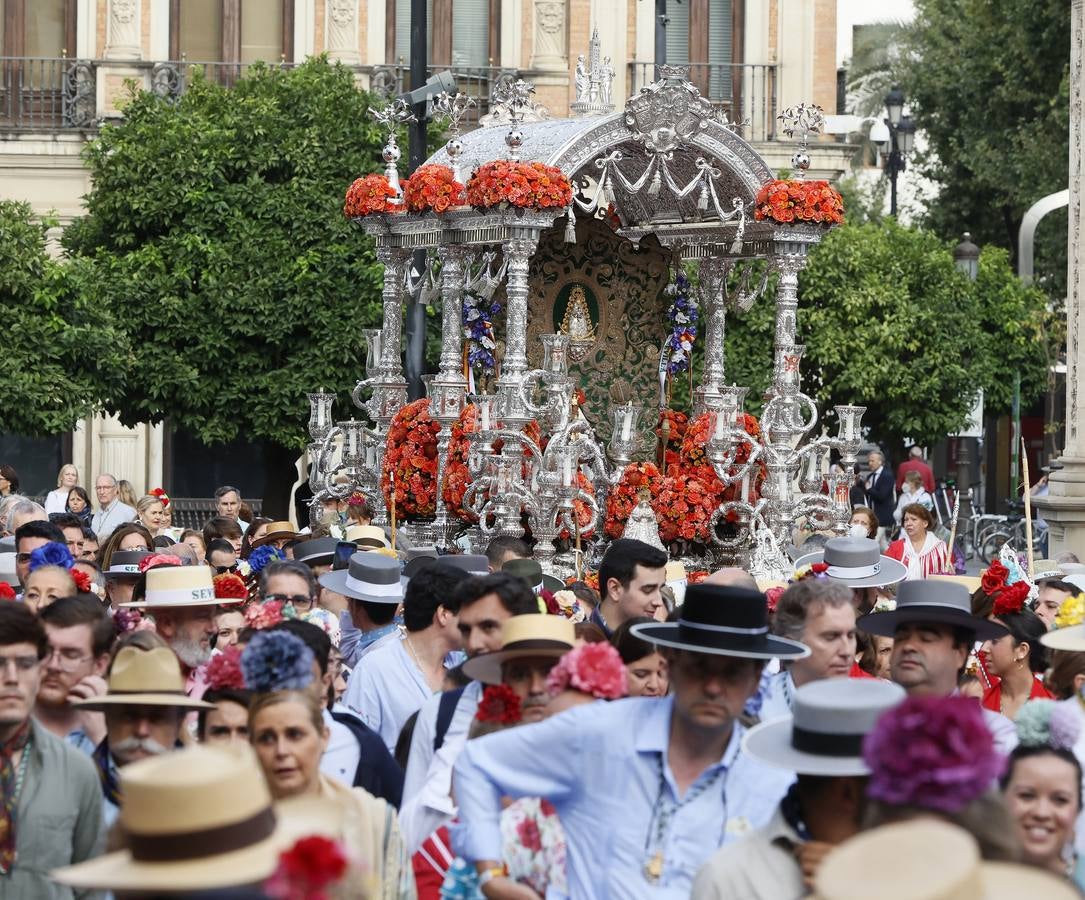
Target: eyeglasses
x=68 y=660
x=293 y=599
x=222 y=570
x=21 y=663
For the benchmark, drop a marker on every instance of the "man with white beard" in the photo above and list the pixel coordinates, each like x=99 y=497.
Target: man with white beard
x=144 y=710
x=182 y=601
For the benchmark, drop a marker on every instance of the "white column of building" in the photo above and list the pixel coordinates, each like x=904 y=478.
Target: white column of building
x=1064 y=507
x=123 y=30
x=795 y=39
x=305 y=27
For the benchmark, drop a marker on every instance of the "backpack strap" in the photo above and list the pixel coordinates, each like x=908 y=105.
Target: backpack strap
x=449 y=701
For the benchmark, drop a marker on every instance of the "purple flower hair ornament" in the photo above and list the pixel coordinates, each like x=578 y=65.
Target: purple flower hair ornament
x=935 y=753
x=277 y=661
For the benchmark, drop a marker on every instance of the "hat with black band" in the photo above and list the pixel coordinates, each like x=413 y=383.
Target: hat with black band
x=369 y=576
x=824 y=735
x=125 y=563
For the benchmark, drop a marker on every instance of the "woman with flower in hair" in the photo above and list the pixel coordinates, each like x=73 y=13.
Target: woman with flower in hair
x=228 y=722
x=1014 y=660
x=1042 y=788
x=588 y=673
x=151 y=512
x=645 y=666
x=935 y=756
x=287 y=731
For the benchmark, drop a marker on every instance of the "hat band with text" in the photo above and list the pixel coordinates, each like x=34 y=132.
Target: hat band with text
x=181 y=595
x=854 y=571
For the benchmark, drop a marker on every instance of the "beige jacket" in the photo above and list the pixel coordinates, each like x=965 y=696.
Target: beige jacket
x=759 y=867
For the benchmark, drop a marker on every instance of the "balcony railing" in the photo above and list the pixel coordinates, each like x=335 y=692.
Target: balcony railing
x=746 y=92
x=40 y=94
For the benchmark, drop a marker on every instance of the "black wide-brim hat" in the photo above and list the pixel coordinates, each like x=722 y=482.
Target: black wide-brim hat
x=933 y=602
x=725 y=620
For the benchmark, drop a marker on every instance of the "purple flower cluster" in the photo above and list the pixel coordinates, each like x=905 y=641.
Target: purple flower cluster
x=932 y=752
x=478 y=328
x=262 y=555
x=682 y=316
x=277 y=661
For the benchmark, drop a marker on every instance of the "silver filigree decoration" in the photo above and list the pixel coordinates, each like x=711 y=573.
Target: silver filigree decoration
x=396 y=113
x=669 y=111
x=805 y=119
x=594 y=81
x=507 y=99
x=453 y=108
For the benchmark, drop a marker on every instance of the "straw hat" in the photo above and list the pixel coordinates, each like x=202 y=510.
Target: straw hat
x=927 y=859
x=276 y=531
x=933 y=602
x=856 y=562
x=195 y=820
x=824 y=735
x=533 y=634
x=369 y=537
x=144 y=678
x=179 y=586
x=971 y=583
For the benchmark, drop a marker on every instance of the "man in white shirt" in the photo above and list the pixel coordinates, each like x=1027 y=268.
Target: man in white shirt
x=111 y=512
x=228 y=505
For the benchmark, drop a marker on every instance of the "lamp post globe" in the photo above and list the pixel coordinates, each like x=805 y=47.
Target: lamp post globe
x=894 y=104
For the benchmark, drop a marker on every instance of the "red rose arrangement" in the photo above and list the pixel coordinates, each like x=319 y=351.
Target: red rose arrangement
x=685 y=506
x=162 y=496
x=432 y=187
x=789 y=201
x=7 y=592
x=411 y=457
x=591 y=579
x=1012 y=598
x=224 y=671
x=368 y=195
x=308 y=869
x=677 y=423
x=230 y=586
x=531 y=185
x=994 y=578
x=696 y=576
x=635 y=478
x=457 y=476
x=500 y=704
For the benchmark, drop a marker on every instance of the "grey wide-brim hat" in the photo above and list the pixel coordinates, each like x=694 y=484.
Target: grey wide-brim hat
x=317 y=552
x=824 y=735
x=935 y=602
x=369 y=576
x=856 y=562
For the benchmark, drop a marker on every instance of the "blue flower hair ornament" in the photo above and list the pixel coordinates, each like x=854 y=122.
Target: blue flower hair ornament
x=277 y=661
x=1047 y=723
x=51 y=554
x=261 y=556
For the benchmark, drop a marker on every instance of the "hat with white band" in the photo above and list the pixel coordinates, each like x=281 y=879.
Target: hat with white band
x=856 y=562
x=125 y=564
x=724 y=620
x=369 y=576
x=175 y=586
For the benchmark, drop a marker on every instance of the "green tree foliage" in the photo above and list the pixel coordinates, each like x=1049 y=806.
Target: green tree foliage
x=216 y=237
x=63 y=359
x=890 y=323
x=988 y=84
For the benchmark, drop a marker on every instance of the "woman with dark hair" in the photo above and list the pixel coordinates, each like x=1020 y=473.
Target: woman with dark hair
x=129 y=536
x=256 y=530
x=1015 y=659
x=1042 y=790
x=9 y=481
x=78 y=504
x=919 y=550
x=645 y=667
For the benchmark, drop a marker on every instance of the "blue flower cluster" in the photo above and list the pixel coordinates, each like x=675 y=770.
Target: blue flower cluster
x=682 y=316
x=51 y=554
x=478 y=329
x=276 y=661
x=261 y=556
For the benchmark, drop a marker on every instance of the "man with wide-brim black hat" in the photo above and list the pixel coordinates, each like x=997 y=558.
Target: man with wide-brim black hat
x=647 y=789
x=933 y=632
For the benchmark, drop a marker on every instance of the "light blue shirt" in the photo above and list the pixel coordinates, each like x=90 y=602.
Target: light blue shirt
x=600 y=765
x=386 y=689
x=774 y=696
x=355 y=643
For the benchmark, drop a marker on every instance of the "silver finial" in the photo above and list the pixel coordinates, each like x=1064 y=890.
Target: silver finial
x=453 y=107
x=396 y=113
x=805 y=119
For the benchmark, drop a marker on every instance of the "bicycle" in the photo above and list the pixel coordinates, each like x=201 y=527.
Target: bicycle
x=1014 y=531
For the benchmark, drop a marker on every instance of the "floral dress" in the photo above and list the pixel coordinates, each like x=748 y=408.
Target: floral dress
x=534 y=848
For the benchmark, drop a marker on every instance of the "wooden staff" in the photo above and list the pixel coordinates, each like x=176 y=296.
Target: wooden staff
x=1028 y=509
x=953 y=526
x=392 y=481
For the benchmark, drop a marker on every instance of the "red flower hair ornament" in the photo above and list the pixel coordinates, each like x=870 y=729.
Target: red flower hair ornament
x=499 y=703
x=224 y=670
x=1012 y=598
x=308 y=870
x=594 y=669
x=7 y=592
x=230 y=586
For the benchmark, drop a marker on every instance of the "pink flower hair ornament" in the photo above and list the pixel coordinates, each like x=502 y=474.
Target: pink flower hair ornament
x=935 y=753
x=594 y=669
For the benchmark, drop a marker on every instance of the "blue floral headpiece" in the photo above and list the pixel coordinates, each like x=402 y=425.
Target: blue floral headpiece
x=52 y=554
x=277 y=661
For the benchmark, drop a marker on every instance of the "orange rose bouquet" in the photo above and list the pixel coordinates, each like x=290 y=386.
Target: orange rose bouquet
x=626 y=494
x=787 y=201
x=411 y=456
x=531 y=185
x=368 y=195
x=432 y=187
x=457 y=476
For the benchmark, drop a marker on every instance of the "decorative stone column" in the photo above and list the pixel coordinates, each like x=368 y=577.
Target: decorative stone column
x=123 y=30
x=341 y=31
x=1064 y=507
x=713 y=273
x=550 y=54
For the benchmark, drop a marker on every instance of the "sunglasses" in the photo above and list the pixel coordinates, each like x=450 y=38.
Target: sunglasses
x=222 y=570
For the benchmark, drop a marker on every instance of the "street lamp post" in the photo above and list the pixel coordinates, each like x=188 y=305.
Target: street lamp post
x=966 y=256
x=900 y=143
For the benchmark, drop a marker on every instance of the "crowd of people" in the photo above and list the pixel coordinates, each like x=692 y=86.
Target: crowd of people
x=250 y=710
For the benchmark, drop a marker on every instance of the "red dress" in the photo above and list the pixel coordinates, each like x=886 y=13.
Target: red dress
x=992 y=697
